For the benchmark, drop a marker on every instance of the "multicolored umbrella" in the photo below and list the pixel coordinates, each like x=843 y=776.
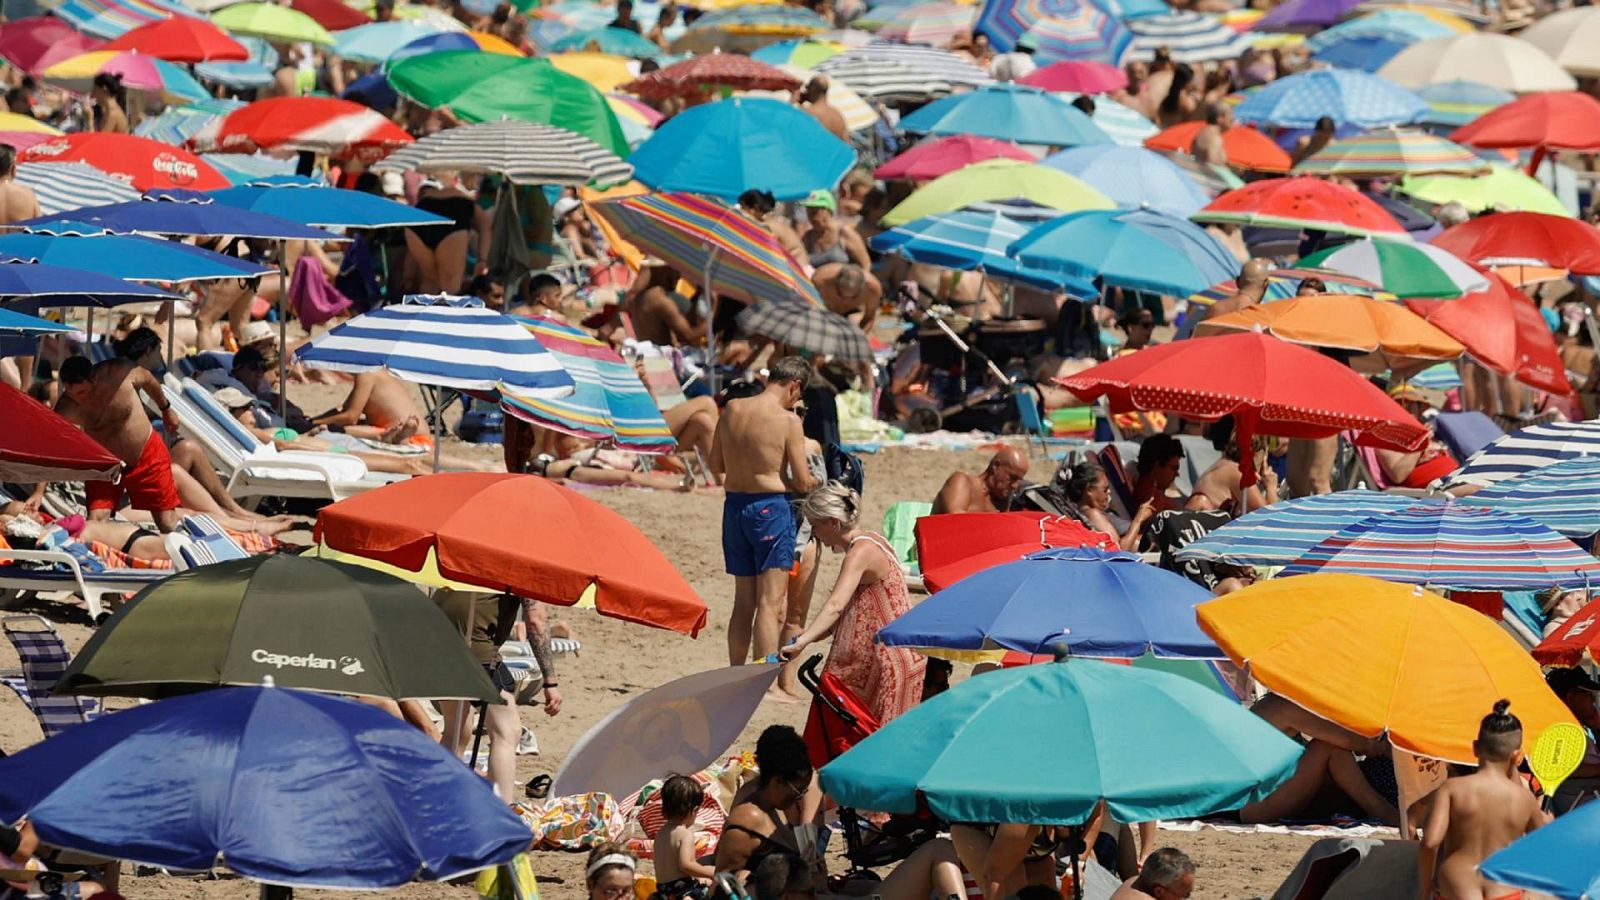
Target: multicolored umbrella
x=109 y=18
x=18 y=124
x=1454 y=546
x=37 y=42
x=455 y=40
x=927 y=23
x=1501 y=186
x=1132 y=177
x=997 y=180
x=1279 y=534
x=181 y=39
x=524 y=152
x=1137 y=249
x=973 y=239
x=813 y=329
x=617 y=41
x=726 y=148
x=1498 y=60
x=338 y=128
x=606 y=73
x=1404 y=269
x=1560 y=496
x=748 y=27
x=805 y=54
x=273 y=22
x=1459 y=102
x=1189 y=37
x=934 y=157
x=1345 y=96
x=1563 y=120
x=1085 y=32
x=1006 y=21
x=142 y=163
x=1567 y=36
x=1525 y=239
x=1077 y=77
x=1304 y=203
x=1244 y=147
x=138 y=72
x=1009 y=112
x=1392 y=151
x=693 y=234
x=702 y=74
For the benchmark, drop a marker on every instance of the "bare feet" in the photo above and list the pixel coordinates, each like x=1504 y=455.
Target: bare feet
x=400 y=432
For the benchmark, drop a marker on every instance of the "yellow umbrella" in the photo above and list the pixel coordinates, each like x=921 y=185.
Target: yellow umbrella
x=996 y=180
x=603 y=70
x=1377 y=657
x=16 y=122
x=494 y=43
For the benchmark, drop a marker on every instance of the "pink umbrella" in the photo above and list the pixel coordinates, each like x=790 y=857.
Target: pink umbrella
x=649 y=114
x=1077 y=76
x=931 y=159
x=22 y=140
x=37 y=42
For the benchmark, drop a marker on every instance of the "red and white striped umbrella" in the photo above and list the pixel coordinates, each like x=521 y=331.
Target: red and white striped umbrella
x=339 y=128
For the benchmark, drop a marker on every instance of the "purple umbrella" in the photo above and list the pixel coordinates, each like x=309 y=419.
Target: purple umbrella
x=1305 y=15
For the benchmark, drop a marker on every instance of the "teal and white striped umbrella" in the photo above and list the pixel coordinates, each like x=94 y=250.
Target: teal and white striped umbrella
x=1560 y=496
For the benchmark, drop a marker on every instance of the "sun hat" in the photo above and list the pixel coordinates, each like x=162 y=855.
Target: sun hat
x=233 y=398
x=257 y=333
x=566 y=205
x=821 y=198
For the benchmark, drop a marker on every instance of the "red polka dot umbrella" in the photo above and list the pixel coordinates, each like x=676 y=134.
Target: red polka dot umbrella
x=1269 y=386
x=1308 y=204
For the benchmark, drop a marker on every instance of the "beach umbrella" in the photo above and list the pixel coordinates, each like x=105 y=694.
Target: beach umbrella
x=1552 y=860
x=1404 y=269
x=609 y=402
x=724 y=149
x=1376 y=657
x=1498 y=60
x=1503 y=330
x=323 y=125
x=1283 y=284
x=1500 y=186
x=1392 y=151
x=485 y=87
x=1046 y=744
x=325 y=207
x=618 y=41
x=808 y=327
x=1390 y=335
x=140 y=162
x=1459 y=102
x=17 y=125
x=109 y=18
x=955 y=546
x=1568 y=37
x=177 y=124
x=1122 y=123
x=40 y=445
x=375 y=42
x=1345 y=96
x=934 y=157
x=926 y=63
x=805 y=54
x=1244 y=147
x=306 y=623
x=1282 y=533
x=251 y=768
x=257 y=72
x=602 y=70
x=1006 y=21
x=273 y=22
x=41 y=285
x=886 y=82
x=1269 y=386
x=181 y=39
x=742 y=28
x=331 y=14
x=701 y=74
x=38 y=42
x=69 y=185
x=1077 y=77
x=1007 y=112
x=1133 y=177
x=1303 y=204
x=1525 y=239
x=138 y=72
x=128 y=257
x=1188 y=36
x=1527 y=449
x=1364 y=52
x=1559 y=496
x=178 y=214
x=524 y=152
x=568 y=544
x=17 y=324
x=452 y=40
x=1561 y=120
x=1135 y=249
x=997 y=180
x=1305 y=15
x=1098 y=604
x=1403 y=25
x=1452 y=546
x=927 y=23
x=973 y=239
x=1081 y=31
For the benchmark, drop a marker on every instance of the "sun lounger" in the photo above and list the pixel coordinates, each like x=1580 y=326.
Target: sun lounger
x=200 y=541
x=68 y=575
x=44 y=659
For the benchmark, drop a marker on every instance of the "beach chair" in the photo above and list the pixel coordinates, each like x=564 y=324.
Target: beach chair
x=661 y=379
x=1116 y=469
x=44 y=660
x=200 y=541
x=67 y=575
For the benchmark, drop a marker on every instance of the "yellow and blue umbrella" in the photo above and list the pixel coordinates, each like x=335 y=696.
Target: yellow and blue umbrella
x=997 y=180
x=606 y=72
x=805 y=54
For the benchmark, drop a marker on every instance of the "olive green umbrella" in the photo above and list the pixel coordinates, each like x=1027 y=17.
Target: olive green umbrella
x=308 y=623
x=484 y=87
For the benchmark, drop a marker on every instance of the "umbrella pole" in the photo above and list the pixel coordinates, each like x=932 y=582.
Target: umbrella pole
x=172 y=328
x=283 y=333
x=276 y=892
x=88 y=325
x=711 y=331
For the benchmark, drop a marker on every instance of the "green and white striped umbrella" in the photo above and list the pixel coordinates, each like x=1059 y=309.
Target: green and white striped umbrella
x=1402 y=268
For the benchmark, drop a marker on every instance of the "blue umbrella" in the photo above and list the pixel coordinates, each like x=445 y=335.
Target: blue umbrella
x=1527 y=449
x=244 y=168
x=256 y=72
x=1346 y=97
x=1009 y=112
x=968 y=239
x=325 y=207
x=375 y=41
x=433 y=43
x=544 y=32
x=1365 y=52
x=374 y=90
x=283 y=786
x=1095 y=603
x=16 y=324
x=726 y=148
x=1396 y=24
x=1558 y=859
x=183 y=213
x=128 y=257
x=37 y=286
x=1133 y=177
x=1137 y=249
x=616 y=41
x=1279 y=534
x=1560 y=496
x=1456 y=103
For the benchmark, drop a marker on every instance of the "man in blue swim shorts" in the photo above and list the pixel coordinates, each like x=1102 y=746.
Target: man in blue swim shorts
x=760 y=451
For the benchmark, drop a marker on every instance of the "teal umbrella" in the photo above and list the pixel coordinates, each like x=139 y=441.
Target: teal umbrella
x=618 y=41
x=1044 y=744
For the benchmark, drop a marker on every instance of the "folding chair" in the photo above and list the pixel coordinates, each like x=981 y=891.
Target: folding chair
x=44 y=660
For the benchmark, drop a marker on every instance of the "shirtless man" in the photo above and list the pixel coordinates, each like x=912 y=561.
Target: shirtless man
x=1207 y=147
x=850 y=291
x=758 y=439
x=662 y=315
x=1167 y=874
x=1218 y=487
x=814 y=100
x=1472 y=816
x=378 y=399
x=17 y=200
x=1251 y=290
x=102 y=400
x=988 y=492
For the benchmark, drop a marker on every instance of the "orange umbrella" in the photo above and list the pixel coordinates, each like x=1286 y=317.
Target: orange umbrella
x=1245 y=147
x=1395 y=335
x=516 y=533
x=1376 y=657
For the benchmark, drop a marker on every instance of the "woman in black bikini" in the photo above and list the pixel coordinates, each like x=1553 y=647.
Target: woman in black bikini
x=441 y=250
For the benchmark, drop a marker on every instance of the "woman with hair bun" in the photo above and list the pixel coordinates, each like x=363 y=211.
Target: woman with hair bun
x=110 y=104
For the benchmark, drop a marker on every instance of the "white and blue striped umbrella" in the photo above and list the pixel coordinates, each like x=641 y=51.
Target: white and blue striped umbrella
x=1528 y=449
x=1122 y=123
x=1191 y=37
x=255 y=72
x=461 y=347
x=63 y=186
x=1560 y=496
x=177 y=124
x=1282 y=533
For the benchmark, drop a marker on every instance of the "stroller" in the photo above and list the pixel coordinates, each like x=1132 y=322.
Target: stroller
x=837 y=722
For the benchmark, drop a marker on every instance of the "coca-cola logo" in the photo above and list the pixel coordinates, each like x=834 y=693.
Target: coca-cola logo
x=179 y=171
x=49 y=148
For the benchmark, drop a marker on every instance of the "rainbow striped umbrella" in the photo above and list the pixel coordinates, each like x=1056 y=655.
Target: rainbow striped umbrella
x=1282 y=533
x=1393 y=151
x=1087 y=33
x=1454 y=546
x=610 y=403
x=113 y=18
x=1560 y=496
x=1459 y=102
x=926 y=23
x=697 y=236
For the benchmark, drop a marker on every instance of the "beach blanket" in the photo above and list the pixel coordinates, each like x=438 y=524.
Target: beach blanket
x=512 y=881
x=574 y=823
x=643 y=812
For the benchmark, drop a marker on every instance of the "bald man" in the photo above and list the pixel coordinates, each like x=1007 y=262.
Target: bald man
x=988 y=492
x=1252 y=289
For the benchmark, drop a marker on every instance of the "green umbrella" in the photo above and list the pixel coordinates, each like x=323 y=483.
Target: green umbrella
x=484 y=87
x=307 y=623
x=1403 y=268
x=273 y=22
x=998 y=180
x=1503 y=185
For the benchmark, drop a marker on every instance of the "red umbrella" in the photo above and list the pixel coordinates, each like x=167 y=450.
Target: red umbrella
x=39 y=42
x=328 y=125
x=1244 y=146
x=1077 y=76
x=144 y=164
x=181 y=39
x=516 y=533
x=1559 y=120
x=38 y=445
x=1503 y=330
x=951 y=547
x=1304 y=203
x=1525 y=239
x=712 y=70
x=1268 y=386
x=331 y=14
x=930 y=159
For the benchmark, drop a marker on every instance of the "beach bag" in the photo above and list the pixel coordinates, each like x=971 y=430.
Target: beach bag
x=844 y=467
x=510 y=881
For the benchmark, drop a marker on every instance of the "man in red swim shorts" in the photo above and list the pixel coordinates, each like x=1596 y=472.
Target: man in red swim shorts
x=102 y=400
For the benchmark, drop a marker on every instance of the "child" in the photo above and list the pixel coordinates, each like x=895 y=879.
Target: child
x=679 y=876
x=1475 y=815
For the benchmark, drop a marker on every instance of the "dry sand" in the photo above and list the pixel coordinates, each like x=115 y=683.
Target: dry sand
x=619 y=661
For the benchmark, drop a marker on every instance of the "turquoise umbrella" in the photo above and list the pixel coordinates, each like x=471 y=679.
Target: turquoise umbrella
x=618 y=41
x=1044 y=744
x=1009 y=112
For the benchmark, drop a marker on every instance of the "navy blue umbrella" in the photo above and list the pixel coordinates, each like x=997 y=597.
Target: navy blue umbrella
x=283 y=786
x=326 y=207
x=126 y=257
x=182 y=213
x=40 y=285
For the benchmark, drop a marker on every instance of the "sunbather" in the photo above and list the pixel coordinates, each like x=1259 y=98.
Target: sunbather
x=1167 y=874
x=101 y=400
x=989 y=491
x=1328 y=778
x=381 y=401
x=127 y=537
x=1219 y=487
x=567 y=458
x=1090 y=491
